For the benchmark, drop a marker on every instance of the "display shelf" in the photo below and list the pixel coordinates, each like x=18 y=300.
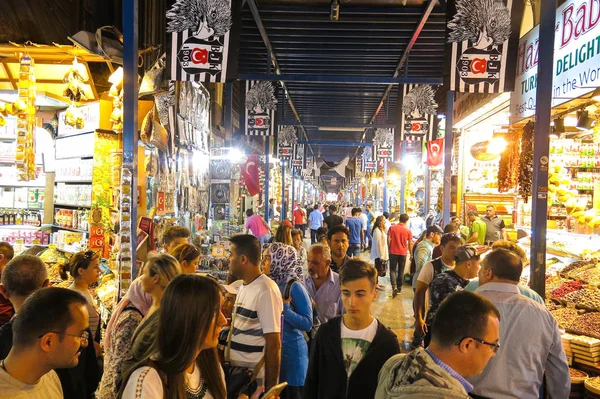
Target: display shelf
x=56 y=226
x=82 y=181
x=73 y=205
x=20 y=227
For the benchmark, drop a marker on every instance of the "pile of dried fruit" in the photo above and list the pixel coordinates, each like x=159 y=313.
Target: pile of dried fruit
x=577 y=373
x=585 y=299
x=586 y=324
x=565 y=289
x=565 y=317
x=508 y=171
x=575 y=265
x=589 y=276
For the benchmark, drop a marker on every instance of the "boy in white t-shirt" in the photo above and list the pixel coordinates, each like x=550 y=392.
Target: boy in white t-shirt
x=349 y=350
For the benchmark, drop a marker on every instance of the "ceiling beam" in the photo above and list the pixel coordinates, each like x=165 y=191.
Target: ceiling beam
x=373 y=80
x=404 y=58
x=265 y=37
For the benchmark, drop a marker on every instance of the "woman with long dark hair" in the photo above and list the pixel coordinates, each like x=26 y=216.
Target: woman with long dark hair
x=379 y=246
x=183 y=361
x=129 y=314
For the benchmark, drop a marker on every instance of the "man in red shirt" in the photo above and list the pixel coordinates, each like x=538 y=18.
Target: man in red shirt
x=400 y=246
x=6 y=308
x=298 y=219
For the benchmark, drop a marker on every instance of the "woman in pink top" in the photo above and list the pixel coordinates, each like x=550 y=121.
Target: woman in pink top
x=258 y=227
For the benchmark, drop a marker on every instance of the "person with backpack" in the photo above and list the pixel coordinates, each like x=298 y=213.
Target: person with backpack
x=449 y=242
x=280 y=263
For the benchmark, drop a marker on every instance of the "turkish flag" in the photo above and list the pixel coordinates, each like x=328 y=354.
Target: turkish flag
x=435 y=152
x=250 y=174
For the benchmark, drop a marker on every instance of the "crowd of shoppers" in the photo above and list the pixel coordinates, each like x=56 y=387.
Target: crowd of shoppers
x=289 y=313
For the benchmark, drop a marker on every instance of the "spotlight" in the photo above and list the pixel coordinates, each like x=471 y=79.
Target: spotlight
x=584 y=122
x=559 y=125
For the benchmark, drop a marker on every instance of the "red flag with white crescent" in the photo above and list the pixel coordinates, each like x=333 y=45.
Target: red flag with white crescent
x=435 y=152
x=250 y=174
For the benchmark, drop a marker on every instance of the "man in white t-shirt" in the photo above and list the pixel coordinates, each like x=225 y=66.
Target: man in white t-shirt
x=449 y=243
x=366 y=344
x=256 y=319
x=48 y=333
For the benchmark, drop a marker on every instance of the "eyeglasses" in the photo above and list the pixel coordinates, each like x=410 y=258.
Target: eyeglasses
x=493 y=346
x=85 y=336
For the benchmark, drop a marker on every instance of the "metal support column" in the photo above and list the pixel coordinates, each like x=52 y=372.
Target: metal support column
x=267 y=167
x=541 y=146
x=448 y=141
x=130 y=110
x=293 y=201
x=282 y=192
x=385 y=186
x=402 y=177
x=427 y=190
x=228 y=111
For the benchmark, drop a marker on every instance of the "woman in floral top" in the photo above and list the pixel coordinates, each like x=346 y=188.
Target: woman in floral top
x=143 y=296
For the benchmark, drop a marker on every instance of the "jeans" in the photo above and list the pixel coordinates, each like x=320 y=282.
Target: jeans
x=353 y=250
x=313 y=236
x=264 y=239
x=368 y=238
x=397 y=264
x=300 y=227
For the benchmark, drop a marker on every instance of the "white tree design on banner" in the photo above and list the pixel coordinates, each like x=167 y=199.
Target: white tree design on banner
x=384 y=143
x=286 y=139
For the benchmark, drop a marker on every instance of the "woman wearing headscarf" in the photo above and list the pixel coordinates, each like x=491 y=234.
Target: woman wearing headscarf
x=280 y=262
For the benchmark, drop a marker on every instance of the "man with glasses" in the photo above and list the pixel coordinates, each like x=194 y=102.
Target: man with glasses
x=49 y=332
x=466 y=332
x=530 y=338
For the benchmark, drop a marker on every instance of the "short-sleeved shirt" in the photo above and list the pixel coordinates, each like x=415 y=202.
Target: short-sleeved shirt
x=257 y=312
x=494 y=228
x=355 y=344
x=298 y=216
x=333 y=220
x=369 y=219
x=355 y=226
x=364 y=221
x=48 y=387
x=427 y=273
x=443 y=285
x=328 y=298
x=400 y=236
x=316 y=220
x=256 y=226
x=479 y=227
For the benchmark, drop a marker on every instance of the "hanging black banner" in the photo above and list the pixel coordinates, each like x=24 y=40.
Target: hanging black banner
x=483 y=37
x=203 y=40
x=418 y=111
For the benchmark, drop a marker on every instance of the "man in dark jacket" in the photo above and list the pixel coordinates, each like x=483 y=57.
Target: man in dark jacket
x=349 y=350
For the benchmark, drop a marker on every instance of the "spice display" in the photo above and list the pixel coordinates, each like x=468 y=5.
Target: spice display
x=565 y=316
x=584 y=299
x=575 y=265
x=589 y=276
x=553 y=283
x=565 y=289
x=593 y=384
x=526 y=162
x=577 y=374
x=508 y=171
x=586 y=324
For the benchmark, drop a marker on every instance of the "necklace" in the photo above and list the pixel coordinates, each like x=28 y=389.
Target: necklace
x=197 y=393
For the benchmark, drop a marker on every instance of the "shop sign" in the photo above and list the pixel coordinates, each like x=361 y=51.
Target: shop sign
x=91 y=119
x=482 y=53
x=418 y=112
x=203 y=48
x=576 y=58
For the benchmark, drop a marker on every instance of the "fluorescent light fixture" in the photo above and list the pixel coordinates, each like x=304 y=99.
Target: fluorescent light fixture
x=570 y=121
x=341 y=129
x=42 y=99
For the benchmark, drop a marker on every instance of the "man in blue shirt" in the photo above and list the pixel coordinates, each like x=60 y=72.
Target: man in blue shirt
x=354 y=224
x=315 y=220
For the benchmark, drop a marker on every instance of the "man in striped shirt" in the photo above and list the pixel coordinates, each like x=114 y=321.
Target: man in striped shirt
x=256 y=320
